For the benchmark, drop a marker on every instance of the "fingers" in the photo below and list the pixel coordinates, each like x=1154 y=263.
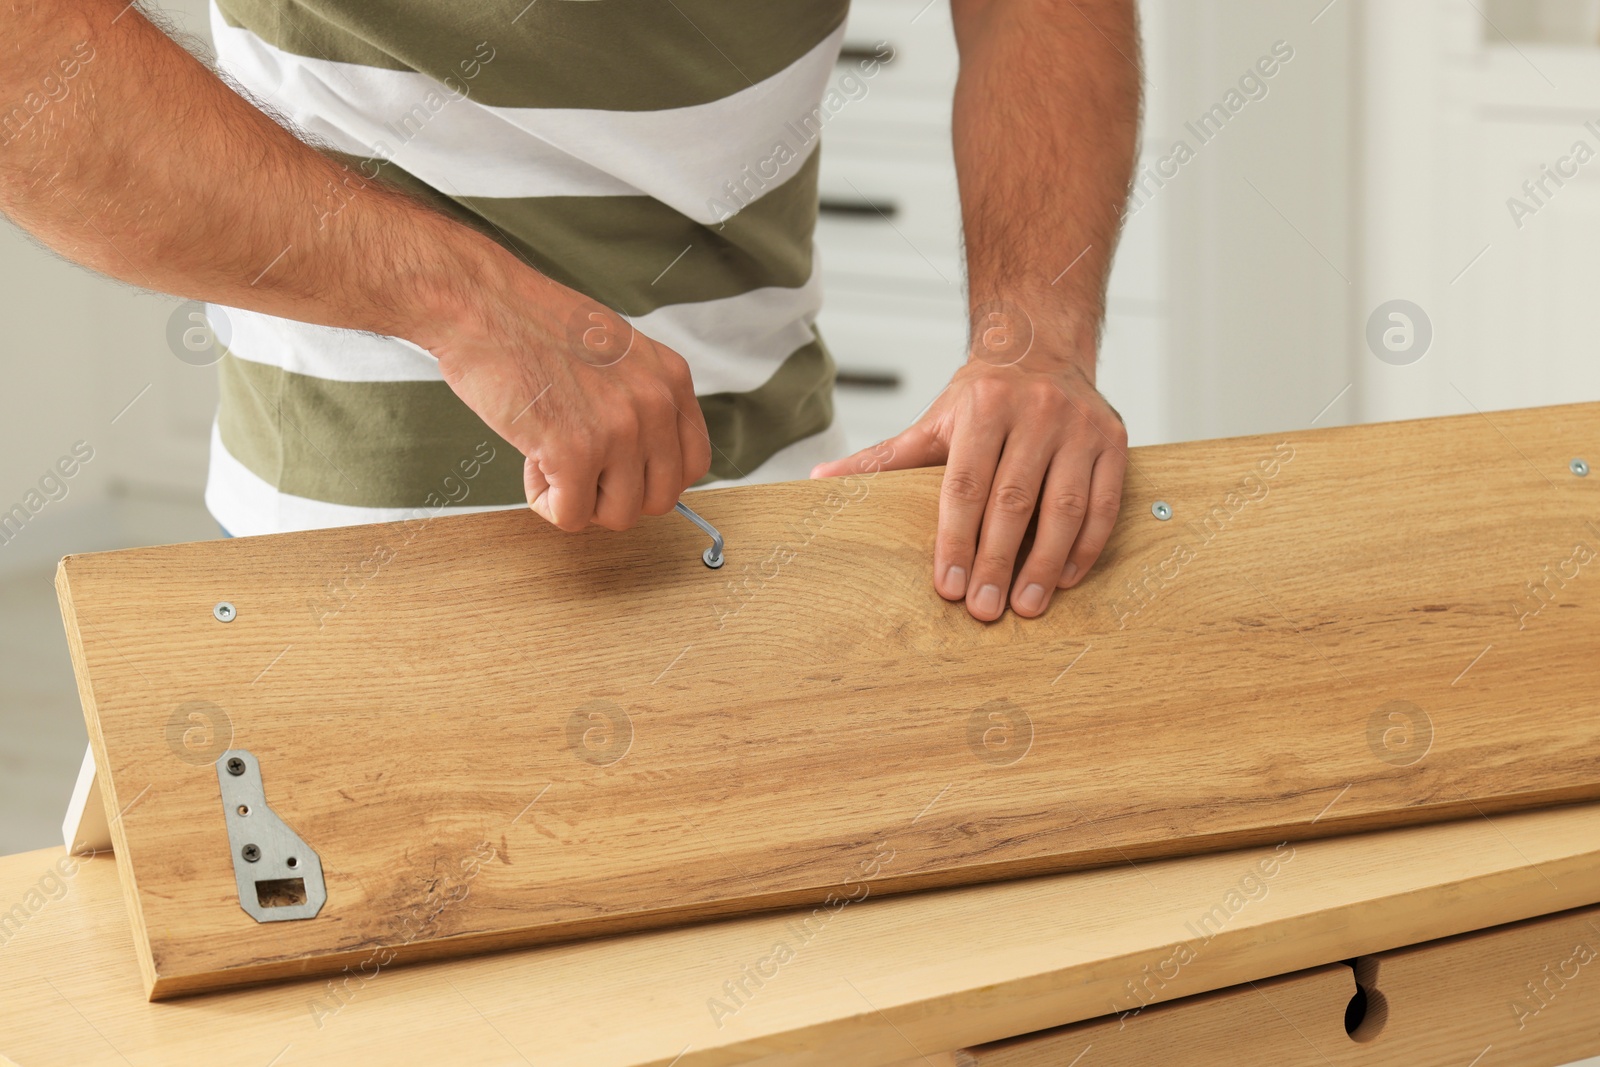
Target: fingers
x=564 y=494
x=694 y=446
x=619 y=500
x=1063 y=506
x=968 y=475
x=1105 y=499
x=916 y=446
x=663 y=480
x=1006 y=515
x=687 y=435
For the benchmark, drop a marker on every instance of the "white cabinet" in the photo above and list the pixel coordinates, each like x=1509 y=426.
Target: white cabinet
x=889 y=223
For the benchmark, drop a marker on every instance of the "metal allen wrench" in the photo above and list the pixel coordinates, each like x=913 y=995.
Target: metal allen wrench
x=713 y=555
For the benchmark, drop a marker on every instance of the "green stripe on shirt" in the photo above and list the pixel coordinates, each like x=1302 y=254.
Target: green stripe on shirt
x=614 y=55
x=389 y=444
x=615 y=249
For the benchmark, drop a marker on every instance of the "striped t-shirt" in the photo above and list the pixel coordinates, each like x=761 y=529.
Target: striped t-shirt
x=659 y=156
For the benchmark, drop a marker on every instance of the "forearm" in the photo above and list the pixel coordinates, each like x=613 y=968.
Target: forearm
x=1045 y=129
x=122 y=152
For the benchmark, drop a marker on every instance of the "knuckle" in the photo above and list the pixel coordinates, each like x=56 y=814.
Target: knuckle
x=993 y=561
x=622 y=425
x=955 y=548
x=1116 y=433
x=679 y=373
x=1044 y=568
x=1070 y=504
x=578 y=453
x=963 y=487
x=1013 y=500
x=1107 y=504
x=988 y=394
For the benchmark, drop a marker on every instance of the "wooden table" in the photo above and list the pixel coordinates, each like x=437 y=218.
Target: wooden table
x=918 y=976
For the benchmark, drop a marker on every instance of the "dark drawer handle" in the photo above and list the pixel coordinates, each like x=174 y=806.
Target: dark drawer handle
x=883 y=52
x=866 y=379
x=856 y=209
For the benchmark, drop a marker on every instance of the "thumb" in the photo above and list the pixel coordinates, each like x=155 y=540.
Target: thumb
x=916 y=446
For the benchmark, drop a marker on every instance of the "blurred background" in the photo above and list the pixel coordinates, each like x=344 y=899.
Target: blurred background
x=1347 y=239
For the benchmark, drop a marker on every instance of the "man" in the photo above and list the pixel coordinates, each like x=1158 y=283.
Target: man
x=440 y=280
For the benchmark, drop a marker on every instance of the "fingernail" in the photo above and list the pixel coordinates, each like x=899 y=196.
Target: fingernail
x=987 y=602
x=955 y=581
x=1032 y=598
x=1068 y=574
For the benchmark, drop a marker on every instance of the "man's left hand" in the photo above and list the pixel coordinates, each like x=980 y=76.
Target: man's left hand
x=1019 y=438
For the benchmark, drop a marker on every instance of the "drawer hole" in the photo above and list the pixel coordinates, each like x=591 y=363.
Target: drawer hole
x=884 y=53
x=866 y=379
x=851 y=208
x=1368 y=1010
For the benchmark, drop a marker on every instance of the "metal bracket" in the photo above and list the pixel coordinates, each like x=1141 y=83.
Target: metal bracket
x=713 y=555
x=279 y=876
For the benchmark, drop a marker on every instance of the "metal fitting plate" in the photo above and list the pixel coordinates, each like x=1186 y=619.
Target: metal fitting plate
x=279 y=876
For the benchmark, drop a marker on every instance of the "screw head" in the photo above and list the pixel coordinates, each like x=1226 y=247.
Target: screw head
x=1579 y=467
x=224 y=612
x=712 y=558
x=235 y=766
x=1161 y=510
x=250 y=853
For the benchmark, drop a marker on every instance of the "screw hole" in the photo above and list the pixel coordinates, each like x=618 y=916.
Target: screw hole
x=244 y=809
x=293 y=862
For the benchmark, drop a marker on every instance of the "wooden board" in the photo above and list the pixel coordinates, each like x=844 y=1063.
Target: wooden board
x=1522 y=993
x=496 y=734
x=883 y=980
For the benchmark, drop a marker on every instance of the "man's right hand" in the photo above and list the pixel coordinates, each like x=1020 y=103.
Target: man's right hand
x=606 y=418
x=192 y=191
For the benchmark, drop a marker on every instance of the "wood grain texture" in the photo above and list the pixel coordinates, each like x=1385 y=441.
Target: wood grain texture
x=1525 y=993
x=881 y=981
x=495 y=734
